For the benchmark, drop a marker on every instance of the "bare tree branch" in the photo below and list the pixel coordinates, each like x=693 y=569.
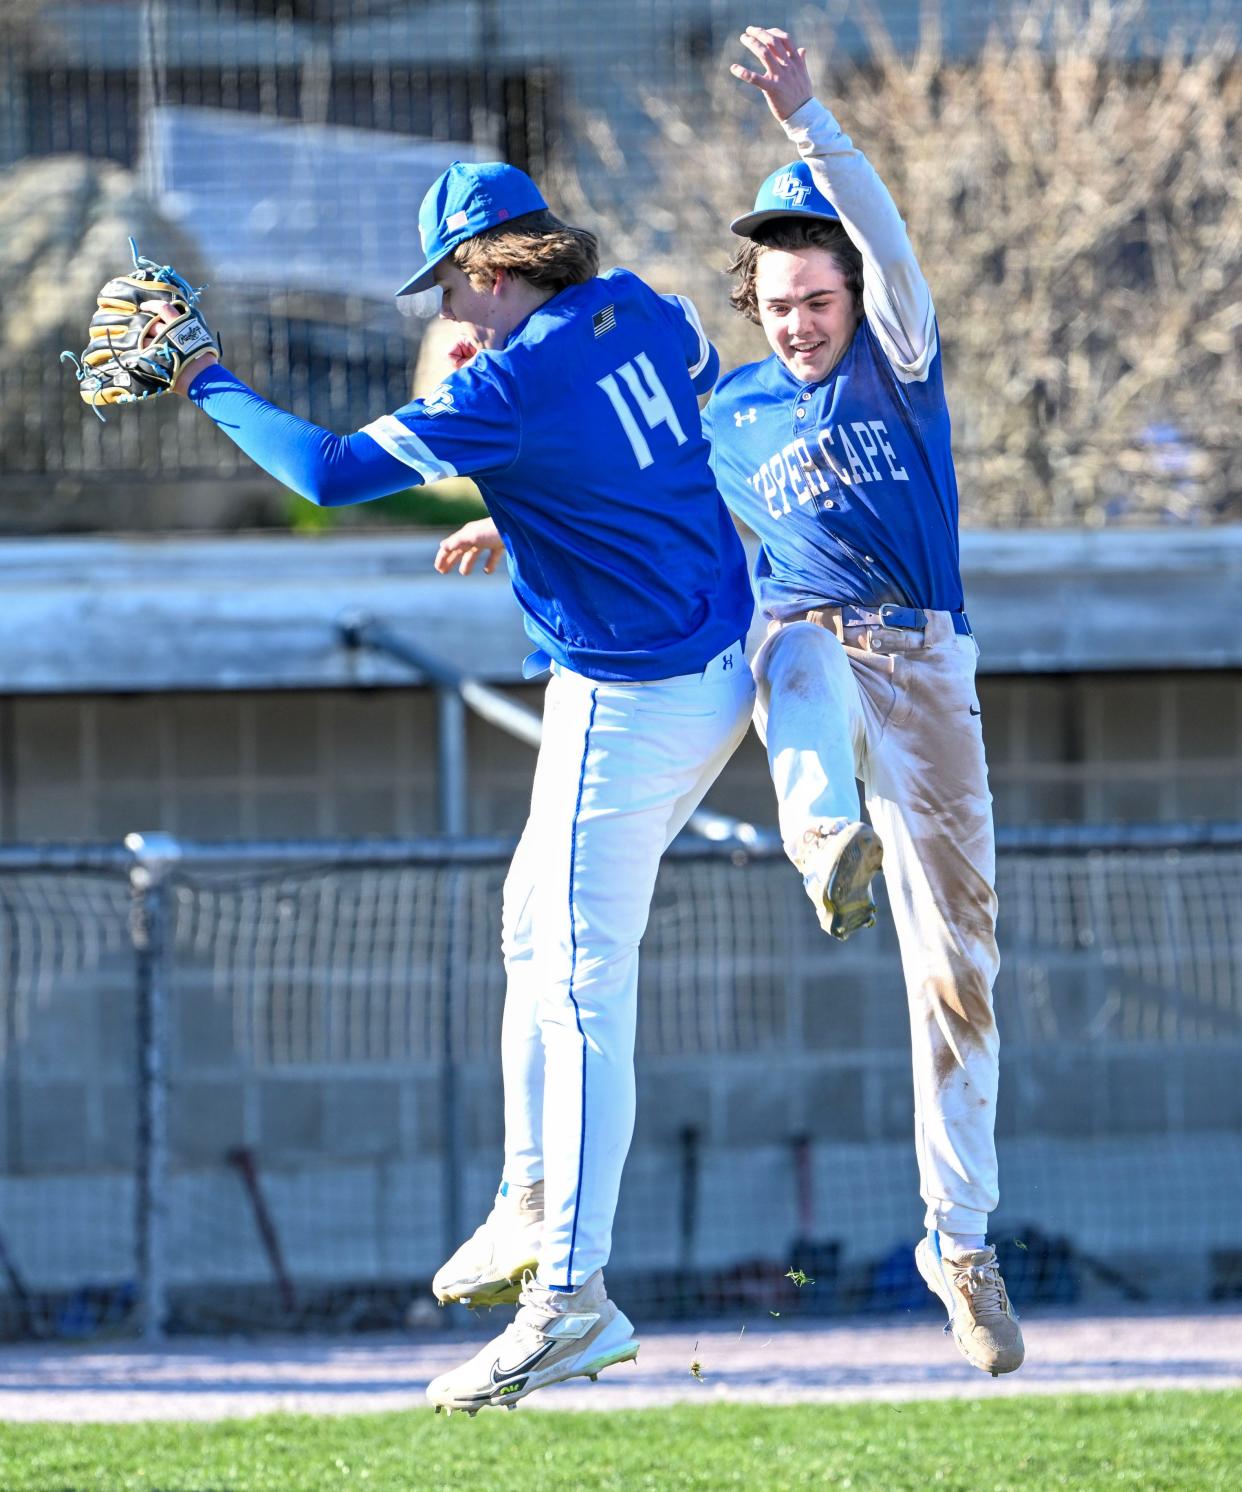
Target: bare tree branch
x=1076 y=202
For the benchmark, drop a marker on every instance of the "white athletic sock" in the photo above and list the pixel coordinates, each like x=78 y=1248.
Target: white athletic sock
x=954 y=1245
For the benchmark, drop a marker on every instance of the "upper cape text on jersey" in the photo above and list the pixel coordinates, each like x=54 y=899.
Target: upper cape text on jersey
x=848 y=452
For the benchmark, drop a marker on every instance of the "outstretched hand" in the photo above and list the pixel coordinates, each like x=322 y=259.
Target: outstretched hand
x=786 y=80
x=462 y=549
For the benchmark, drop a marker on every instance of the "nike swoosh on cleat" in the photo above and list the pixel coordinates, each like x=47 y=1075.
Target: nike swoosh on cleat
x=973 y=711
x=501 y=1375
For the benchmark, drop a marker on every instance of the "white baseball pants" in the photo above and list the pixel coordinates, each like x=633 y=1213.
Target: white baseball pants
x=899 y=711
x=620 y=770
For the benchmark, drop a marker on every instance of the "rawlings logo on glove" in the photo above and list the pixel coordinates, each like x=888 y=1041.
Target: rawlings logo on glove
x=134 y=353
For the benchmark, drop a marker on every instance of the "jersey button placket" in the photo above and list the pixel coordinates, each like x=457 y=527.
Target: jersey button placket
x=800 y=412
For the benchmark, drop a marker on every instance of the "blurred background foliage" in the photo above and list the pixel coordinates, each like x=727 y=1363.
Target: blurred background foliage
x=1075 y=199
x=1069 y=170
x=436 y=505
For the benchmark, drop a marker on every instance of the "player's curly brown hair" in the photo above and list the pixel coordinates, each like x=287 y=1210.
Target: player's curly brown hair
x=792 y=234
x=536 y=247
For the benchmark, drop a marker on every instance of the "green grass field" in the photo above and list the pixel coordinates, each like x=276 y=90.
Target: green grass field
x=1157 y=1442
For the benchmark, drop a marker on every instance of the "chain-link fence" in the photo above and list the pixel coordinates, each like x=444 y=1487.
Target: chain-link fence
x=1067 y=171
x=249 y=1087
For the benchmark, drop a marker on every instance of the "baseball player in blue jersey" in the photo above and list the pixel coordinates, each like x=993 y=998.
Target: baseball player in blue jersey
x=835 y=450
x=573 y=406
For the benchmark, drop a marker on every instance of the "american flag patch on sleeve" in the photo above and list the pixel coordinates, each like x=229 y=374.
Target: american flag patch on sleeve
x=604 y=321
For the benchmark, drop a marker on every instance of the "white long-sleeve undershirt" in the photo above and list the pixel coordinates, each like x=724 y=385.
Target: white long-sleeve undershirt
x=896 y=297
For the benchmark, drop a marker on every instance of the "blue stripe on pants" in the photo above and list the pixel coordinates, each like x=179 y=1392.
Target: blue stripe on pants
x=573 y=965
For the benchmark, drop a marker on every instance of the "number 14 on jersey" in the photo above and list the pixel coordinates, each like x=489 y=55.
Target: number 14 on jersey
x=649 y=397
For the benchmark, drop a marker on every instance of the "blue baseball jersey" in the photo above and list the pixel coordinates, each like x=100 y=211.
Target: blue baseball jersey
x=583 y=434
x=848 y=483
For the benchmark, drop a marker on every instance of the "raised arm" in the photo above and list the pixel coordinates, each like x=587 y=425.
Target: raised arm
x=896 y=297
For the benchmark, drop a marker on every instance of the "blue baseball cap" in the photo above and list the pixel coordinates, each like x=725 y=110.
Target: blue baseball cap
x=787 y=193
x=463 y=201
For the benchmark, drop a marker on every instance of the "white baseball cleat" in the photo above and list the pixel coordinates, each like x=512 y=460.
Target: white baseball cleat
x=555 y=1335
x=983 y=1323
x=487 y=1269
x=837 y=860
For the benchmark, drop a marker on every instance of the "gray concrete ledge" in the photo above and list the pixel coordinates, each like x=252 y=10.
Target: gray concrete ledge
x=107 y=615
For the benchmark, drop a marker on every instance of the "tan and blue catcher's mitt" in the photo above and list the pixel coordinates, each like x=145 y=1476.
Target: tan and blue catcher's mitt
x=132 y=353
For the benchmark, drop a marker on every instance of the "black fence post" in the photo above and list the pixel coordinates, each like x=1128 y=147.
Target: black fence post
x=149 y=927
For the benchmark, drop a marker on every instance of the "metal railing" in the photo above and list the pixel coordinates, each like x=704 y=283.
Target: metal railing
x=457 y=692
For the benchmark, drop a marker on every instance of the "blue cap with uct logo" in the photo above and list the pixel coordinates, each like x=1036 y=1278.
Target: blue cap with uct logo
x=787 y=193
x=465 y=200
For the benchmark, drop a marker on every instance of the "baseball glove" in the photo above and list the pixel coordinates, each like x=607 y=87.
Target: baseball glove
x=132 y=353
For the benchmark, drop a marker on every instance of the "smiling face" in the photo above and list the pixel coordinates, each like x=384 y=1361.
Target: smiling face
x=806 y=308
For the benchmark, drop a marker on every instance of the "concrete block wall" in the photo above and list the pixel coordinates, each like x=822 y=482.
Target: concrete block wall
x=1115 y=1123
x=283 y=764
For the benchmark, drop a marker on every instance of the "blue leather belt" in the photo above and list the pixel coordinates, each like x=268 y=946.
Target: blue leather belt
x=900 y=618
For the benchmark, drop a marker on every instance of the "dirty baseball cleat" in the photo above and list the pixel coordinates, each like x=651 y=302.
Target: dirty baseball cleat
x=982 y=1321
x=557 y=1334
x=837 y=861
x=487 y=1269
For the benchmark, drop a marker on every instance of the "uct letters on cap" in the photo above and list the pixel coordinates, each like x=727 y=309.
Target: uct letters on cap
x=791 y=188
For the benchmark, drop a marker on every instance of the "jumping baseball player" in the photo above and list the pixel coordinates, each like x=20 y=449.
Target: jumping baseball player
x=835 y=450
x=573 y=405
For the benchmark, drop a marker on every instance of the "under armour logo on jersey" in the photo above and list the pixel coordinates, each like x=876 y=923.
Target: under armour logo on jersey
x=744 y=416
x=726 y=661
x=791 y=189
x=604 y=321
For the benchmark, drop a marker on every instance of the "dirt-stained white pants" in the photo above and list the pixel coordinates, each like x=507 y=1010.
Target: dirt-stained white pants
x=898 y=710
x=621 y=769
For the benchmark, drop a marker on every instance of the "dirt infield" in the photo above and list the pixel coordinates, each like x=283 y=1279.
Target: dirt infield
x=765 y=1362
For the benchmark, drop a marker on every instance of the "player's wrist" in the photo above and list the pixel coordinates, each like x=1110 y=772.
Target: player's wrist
x=804 y=115
x=190 y=372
